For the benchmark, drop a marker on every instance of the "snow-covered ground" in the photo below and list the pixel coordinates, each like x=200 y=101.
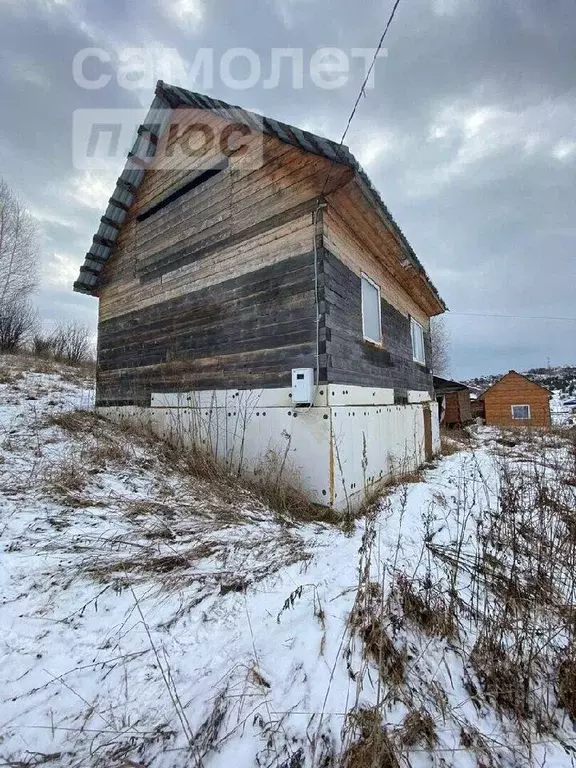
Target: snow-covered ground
x=149 y=618
x=562 y=414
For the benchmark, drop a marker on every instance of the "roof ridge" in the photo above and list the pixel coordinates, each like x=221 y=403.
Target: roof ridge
x=173 y=96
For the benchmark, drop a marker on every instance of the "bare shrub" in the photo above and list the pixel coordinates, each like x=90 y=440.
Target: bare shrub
x=440 y=340
x=17 y=323
x=70 y=343
x=41 y=346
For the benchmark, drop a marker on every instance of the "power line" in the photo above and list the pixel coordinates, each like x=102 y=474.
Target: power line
x=363 y=88
x=519 y=317
x=362 y=91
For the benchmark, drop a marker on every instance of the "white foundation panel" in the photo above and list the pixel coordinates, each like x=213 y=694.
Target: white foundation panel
x=335 y=452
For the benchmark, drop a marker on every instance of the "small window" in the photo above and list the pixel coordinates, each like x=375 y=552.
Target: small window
x=418 y=351
x=521 y=412
x=371 y=322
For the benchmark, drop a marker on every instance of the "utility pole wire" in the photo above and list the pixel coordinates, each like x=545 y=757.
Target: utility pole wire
x=372 y=65
x=362 y=91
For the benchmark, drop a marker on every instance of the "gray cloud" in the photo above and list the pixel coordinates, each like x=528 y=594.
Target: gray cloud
x=469 y=136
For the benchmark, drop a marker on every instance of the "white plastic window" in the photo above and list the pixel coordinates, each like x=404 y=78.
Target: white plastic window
x=371 y=320
x=521 y=412
x=418 y=351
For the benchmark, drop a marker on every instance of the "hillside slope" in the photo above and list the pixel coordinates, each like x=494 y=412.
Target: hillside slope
x=154 y=619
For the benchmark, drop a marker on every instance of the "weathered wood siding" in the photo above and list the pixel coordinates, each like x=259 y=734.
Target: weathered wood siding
x=351 y=359
x=227 y=227
x=217 y=289
x=349 y=253
x=355 y=230
x=245 y=332
x=514 y=389
x=458 y=409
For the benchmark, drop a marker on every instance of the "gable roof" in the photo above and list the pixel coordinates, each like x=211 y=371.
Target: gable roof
x=521 y=375
x=446 y=386
x=170 y=97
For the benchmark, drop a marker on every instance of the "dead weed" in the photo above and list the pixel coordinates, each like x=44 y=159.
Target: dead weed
x=371 y=745
x=419 y=728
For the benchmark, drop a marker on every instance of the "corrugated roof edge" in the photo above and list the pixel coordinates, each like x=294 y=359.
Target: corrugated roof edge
x=172 y=96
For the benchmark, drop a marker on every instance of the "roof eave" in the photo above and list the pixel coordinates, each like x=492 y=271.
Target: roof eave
x=389 y=222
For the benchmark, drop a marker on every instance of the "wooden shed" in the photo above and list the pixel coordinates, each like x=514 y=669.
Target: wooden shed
x=515 y=400
x=253 y=287
x=453 y=401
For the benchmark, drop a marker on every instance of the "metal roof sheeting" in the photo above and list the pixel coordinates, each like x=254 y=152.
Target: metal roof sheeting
x=169 y=97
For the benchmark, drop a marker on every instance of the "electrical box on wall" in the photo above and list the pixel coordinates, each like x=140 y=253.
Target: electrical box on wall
x=302 y=386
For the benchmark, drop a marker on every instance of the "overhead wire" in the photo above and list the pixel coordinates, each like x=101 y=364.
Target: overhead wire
x=362 y=92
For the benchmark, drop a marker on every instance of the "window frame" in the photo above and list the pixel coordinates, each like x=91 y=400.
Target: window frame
x=521 y=405
x=371 y=282
x=415 y=358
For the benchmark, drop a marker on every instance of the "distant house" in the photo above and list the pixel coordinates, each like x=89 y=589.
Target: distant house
x=515 y=400
x=453 y=402
x=255 y=293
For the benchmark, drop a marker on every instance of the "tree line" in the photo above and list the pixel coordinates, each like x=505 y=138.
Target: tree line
x=20 y=325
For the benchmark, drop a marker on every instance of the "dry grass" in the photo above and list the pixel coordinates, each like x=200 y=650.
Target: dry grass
x=453 y=440
x=22 y=363
x=271 y=483
x=371 y=745
x=419 y=728
x=8 y=376
x=76 y=422
x=368 y=621
x=146 y=564
x=66 y=477
x=502 y=680
x=426 y=607
x=405 y=478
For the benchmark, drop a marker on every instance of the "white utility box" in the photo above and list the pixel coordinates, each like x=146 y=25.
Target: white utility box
x=302 y=386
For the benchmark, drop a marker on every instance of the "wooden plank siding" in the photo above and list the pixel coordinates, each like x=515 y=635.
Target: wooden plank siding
x=458 y=409
x=372 y=238
x=219 y=288
x=235 y=202
x=248 y=331
x=515 y=389
x=350 y=358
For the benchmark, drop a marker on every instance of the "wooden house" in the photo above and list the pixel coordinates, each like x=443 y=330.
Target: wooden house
x=253 y=288
x=516 y=401
x=453 y=402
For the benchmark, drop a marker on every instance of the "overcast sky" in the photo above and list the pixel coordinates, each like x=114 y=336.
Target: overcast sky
x=469 y=134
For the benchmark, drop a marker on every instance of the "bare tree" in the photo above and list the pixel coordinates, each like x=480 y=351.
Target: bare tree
x=440 y=338
x=18 y=270
x=18 y=248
